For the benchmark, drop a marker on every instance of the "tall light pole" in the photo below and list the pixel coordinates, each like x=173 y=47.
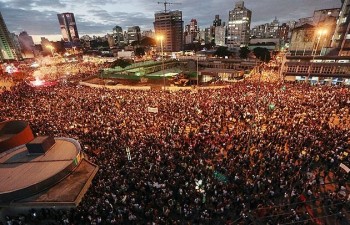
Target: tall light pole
x=197 y=71
x=160 y=38
x=320 y=33
x=51 y=48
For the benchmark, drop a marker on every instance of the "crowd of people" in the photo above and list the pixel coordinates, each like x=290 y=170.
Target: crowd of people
x=250 y=152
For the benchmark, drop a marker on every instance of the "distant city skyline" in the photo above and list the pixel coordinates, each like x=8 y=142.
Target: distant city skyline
x=38 y=17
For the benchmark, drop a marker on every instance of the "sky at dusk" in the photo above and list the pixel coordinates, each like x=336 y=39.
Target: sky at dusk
x=38 y=17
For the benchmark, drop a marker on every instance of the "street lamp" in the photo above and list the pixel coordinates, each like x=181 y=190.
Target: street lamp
x=51 y=48
x=197 y=71
x=320 y=33
x=160 y=38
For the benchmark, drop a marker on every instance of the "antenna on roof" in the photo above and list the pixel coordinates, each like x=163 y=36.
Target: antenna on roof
x=168 y=3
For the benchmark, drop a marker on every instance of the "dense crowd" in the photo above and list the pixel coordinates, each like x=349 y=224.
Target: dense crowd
x=249 y=152
x=71 y=71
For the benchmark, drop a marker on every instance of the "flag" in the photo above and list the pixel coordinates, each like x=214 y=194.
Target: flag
x=77 y=159
x=128 y=153
x=344 y=167
x=220 y=177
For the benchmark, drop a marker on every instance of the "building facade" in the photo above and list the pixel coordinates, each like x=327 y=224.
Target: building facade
x=191 y=32
x=314 y=37
x=134 y=34
x=341 y=37
x=238 y=27
x=68 y=28
x=283 y=32
x=267 y=30
x=217 y=22
x=147 y=33
x=170 y=26
x=220 y=35
x=118 y=36
x=8 y=49
x=27 y=44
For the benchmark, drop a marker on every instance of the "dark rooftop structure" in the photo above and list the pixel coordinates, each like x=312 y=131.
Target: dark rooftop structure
x=45 y=172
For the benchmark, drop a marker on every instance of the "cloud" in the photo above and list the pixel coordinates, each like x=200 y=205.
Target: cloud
x=32 y=4
x=95 y=16
x=263 y=11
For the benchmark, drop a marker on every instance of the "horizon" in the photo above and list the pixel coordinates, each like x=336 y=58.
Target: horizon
x=95 y=17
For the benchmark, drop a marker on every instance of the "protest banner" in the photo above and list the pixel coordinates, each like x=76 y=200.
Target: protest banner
x=152 y=109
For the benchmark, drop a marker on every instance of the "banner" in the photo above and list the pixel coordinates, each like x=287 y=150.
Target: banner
x=220 y=177
x=344 y=167
x=128 y=153
x=77 y=159
x=152 y=110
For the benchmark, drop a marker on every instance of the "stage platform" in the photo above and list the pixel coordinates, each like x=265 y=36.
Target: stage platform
x=67 y=193
x=23 y=175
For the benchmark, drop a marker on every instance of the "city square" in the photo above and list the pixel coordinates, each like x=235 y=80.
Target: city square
x=235 y=134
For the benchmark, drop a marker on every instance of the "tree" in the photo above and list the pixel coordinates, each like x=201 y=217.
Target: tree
x=135 y=43
x=263 y=54
x=244 y=52
x=139 y=52
x=147 y=41
x=222 y=52
x=122 y=63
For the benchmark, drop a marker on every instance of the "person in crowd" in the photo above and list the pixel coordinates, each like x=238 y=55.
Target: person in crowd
x=250 y=151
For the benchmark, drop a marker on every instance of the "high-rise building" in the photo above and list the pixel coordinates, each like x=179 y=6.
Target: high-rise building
x=111 y=40
x=44 y=43
x=194 y=27
x=238 y=27
x=220 y=34
x=191 y=32
x=147 y=33
x=267 y=30
x=118 y=36
x=283 y=32
x=8 y=50
x=16 y=44
x=68 y=28
x=217 y=21
x=323 y=14
x=315 y=34
x=134 y=34
x=27 y=44
x=170 y=25
x=341 y=37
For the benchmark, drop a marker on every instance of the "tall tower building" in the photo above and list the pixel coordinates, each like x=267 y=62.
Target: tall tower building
x=27 y=44
x=134 y=34
x=217 y=21
x=191 y=32
x=220 y=32
x=194 y=27
x=341 y=37
x=238 y=26
x=283 y=32
x=118 y=36
x=8 y=48
x=68 y=28
x=267 y=30
x=170 y=25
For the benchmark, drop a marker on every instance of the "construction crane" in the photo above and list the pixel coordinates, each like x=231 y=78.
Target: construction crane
x=168 y=3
